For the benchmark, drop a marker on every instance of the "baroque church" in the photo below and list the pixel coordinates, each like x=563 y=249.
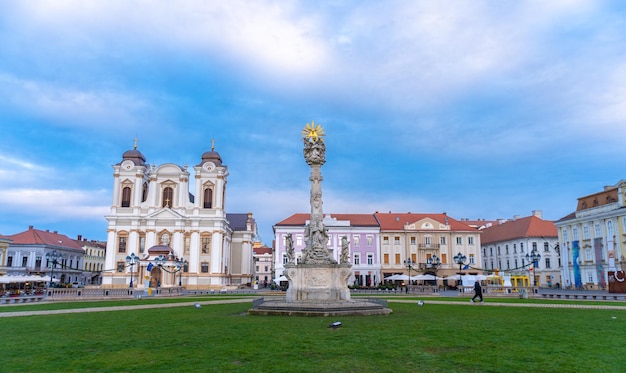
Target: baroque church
x=161 y=235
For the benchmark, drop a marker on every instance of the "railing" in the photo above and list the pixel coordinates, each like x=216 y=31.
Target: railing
x=428 y=246
x=97 y=293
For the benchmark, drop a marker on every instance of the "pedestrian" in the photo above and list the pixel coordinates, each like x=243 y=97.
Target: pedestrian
x=478 y=292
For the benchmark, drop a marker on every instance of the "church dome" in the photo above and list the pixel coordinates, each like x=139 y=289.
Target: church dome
x=135 y=156
x=212 y=156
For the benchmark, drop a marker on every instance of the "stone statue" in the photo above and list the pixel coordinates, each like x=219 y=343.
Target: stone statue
x=289 y=248
x=165 y=239
x=345 y=250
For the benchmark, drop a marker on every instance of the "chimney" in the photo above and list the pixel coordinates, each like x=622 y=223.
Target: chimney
x=55 y=232
x=80 y=238
x=538 y=214
x=30 y=227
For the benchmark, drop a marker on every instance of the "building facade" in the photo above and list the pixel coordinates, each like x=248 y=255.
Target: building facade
x=95 y=255
x=507 y=247
x=181 y=238
x=419 y=237
x=593 y=238
x=263 y=264
x=30 y=252
x=361 y=231
x=4 y=248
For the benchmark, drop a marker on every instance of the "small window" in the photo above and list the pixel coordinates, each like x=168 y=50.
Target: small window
x=386 y=258
x=370 y=240
x=370 y=259
x=357 y=259
x=442 y=240
x=396 y=240
x=204 y=267
x=120 y=266
x=459 y=240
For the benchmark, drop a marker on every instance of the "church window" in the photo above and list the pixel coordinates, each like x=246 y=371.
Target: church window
x=187 y=244
x=142 y=243
x=208 y=198
x=121 y=244
x=168 y=195
x=126 y=197
x=144 y=192
x=206 y=244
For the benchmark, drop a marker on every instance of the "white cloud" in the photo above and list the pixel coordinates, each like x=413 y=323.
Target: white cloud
x=72 y=107
x=56 y=203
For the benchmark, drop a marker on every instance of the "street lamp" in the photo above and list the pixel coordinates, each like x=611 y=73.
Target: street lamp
x=534 y=257
x=434 y=263
x=409 y=264
x=131 y=260
x=460 y=260
x=180 y=264
x=52 y=262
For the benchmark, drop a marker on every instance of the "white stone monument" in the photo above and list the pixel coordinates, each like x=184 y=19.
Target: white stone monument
x=318 y=285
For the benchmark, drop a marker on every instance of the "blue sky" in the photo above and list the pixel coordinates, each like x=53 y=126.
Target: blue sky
x=481 y=109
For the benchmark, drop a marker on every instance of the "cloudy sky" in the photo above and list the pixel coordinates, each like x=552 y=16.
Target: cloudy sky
x=481 y=109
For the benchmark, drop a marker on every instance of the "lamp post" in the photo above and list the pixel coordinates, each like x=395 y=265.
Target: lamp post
x=460 y=260
x=409 y=264
x=131 y=260
x=534 y=257
x=160 y=261
x=52 y=258
x=180 y=264
x=434 y=263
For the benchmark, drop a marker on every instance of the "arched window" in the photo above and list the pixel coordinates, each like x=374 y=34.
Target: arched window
x=144 y=193
x=168 y=195
x=208 y=198
x=126 y=197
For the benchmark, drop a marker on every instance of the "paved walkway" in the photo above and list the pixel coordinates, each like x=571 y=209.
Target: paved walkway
x=123 y=308
x=250 y=299
x=531 y=305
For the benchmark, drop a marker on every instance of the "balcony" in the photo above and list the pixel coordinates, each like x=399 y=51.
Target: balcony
x=428 y=246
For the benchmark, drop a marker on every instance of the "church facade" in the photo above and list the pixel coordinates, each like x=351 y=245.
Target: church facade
x=161 y=235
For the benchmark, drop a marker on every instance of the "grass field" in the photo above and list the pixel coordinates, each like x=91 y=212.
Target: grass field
x=222 y=338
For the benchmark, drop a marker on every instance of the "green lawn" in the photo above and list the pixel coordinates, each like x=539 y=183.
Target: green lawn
x=222 y=338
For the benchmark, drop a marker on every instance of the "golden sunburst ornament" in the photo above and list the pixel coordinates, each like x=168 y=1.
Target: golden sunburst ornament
x=313 y=131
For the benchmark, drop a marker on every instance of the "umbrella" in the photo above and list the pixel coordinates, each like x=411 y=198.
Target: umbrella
x=280 y=279
x=424 y=277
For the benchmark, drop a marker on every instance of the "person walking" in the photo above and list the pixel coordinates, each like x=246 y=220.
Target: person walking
x=478 y=292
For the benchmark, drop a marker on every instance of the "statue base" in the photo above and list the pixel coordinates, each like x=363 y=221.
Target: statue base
x=318 y=290
x=317 y=282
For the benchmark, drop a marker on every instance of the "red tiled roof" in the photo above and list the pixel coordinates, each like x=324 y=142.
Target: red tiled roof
x=530 y=226
x=38 y=237
x=262 y=250
x=394 y=221
x=356 y=220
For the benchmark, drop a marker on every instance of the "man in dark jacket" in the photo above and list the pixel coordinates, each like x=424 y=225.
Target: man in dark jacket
x=478 y=291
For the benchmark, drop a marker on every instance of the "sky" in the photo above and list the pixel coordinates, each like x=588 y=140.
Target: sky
x=480 y=109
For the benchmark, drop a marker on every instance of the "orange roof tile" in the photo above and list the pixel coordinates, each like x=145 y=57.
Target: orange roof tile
x=530 y=226
x=394 y=221
x=38 y=237
x=358 y=220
